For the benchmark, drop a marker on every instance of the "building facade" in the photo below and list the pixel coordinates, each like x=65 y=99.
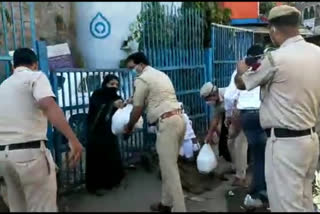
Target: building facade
x=310 y=15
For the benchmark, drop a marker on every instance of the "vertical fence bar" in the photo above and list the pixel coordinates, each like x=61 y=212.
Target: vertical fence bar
x=214 y=48
x=4 y=26
x=32 y=25
x=165 y=38
x=21 y=24
x=161 y=38
x=168 y=38
x=175 y=35
x=41 y=49
x=13 y=27
x=5 y=36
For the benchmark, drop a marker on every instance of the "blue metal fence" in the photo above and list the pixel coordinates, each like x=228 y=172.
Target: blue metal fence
x=173 y=42
x=229 y=45
x=172 y=38
x=73 y=88
x=17 y=30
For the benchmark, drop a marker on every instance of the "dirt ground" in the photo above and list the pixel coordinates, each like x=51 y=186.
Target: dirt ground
x=141 y=188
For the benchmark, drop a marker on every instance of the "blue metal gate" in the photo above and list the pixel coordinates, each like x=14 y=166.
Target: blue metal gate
x=73 y=88
x=182 y=59
x=17 y=30
x=173 y=41
x=229 y=45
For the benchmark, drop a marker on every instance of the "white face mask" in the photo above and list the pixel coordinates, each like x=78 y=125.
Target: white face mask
x=209 y=102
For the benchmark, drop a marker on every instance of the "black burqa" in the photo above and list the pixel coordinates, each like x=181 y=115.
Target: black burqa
x=104 y=169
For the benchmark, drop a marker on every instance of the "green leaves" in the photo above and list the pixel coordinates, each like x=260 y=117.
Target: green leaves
x=7 y=15
x=265 y=7
x=213 y=14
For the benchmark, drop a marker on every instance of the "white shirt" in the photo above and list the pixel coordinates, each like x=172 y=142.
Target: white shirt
x=189 y=130
x=231 y=96
x=246 y=100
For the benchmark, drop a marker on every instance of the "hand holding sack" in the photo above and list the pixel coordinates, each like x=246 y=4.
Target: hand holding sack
x=121 y=117
x=207 y=160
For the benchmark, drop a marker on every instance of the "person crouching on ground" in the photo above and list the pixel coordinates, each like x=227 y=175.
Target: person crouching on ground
x=215 y=97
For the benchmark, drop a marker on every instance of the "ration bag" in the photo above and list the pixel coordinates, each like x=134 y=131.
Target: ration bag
x=121 y=117
x=206 y=160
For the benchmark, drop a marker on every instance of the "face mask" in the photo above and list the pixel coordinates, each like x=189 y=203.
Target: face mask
x=209 y=102
x=134 y=72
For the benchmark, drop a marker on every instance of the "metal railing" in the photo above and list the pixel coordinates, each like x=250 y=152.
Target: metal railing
x=229 y=44
x=17 y=30
x=172 y=39
x=73 y=88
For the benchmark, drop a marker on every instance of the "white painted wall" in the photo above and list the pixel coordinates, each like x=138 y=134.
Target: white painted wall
x=105 y=53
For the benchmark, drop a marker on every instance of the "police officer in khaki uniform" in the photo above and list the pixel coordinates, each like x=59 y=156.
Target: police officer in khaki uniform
x=289 y=78
x=155 y=92
x=26 y=165
x=215 y=97
x=232 y=143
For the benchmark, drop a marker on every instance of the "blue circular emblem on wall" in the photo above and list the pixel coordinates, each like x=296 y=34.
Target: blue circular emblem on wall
x=100 y=27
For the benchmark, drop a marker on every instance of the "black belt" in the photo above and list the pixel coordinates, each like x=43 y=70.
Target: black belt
x=289 y=133
x=27 y=145
x=249 y=110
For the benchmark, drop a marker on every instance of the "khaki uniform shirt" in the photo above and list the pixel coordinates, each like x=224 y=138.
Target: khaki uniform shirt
x=220 y=108
x=20 y=119
x=154 y=90
x=289 y=78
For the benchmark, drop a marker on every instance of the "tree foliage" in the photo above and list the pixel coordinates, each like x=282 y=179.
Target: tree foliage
x=7 y=15
x=265 y=7
x=213 y=14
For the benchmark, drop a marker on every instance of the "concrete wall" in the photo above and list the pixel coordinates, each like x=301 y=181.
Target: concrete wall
x=55 y=23
x=60 y=22
x=105 y=52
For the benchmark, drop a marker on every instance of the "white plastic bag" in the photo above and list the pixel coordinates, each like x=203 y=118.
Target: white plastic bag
x=186 y=149
x=196 y=147
x=121 y=117
x=206 y=161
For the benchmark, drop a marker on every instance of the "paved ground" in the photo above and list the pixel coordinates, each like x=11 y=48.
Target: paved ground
x=141 y=188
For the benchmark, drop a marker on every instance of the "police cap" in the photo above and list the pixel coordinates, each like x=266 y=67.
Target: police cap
x=282 y=10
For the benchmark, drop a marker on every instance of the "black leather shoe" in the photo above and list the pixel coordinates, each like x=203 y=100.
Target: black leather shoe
x=158 y=207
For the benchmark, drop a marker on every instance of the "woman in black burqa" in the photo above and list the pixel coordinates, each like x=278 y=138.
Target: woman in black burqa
x=104 y=169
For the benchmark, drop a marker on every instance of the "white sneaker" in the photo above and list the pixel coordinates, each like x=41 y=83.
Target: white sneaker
x=250 y=202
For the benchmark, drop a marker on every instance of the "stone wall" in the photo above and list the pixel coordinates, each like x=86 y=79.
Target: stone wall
x=53 y=21
x=54 y=24
x=301 y=5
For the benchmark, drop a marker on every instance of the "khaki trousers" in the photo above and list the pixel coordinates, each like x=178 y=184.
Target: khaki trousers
x=290 y=167
x=170 y=134
x=3 y=193
x=238 y=148
x=30 y=179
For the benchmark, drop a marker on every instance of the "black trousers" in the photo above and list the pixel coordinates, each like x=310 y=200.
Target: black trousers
x=223 y=142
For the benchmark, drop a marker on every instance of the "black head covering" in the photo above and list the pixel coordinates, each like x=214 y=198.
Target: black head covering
x=109 y=78
x=102 y=96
